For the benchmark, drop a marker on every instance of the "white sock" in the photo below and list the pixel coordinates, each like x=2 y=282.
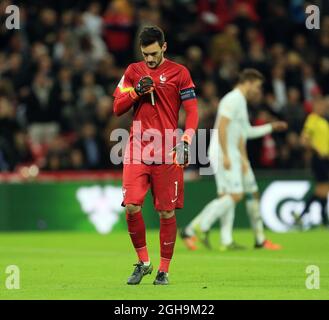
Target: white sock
x=226 y=223
x=214 y=210
x=146 y=263
x=189 y=230
x=255 y=219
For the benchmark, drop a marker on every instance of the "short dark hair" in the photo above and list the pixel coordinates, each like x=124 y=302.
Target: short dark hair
x=250 y=75
x=150 y=35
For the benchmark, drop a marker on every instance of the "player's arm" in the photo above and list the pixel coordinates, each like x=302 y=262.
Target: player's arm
x=222 y=133
x=244 y=155
x=305 y=139
x=182 y=149
x=189 y=102
x=243 y=148
x=306 y=135
x=190 y=105
x=227 y=112
x=126 y=95
x=123 y=103
x=254 y=132
x=223 y=124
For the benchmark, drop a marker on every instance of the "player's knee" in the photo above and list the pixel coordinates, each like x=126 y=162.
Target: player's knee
x=252 y=195
x=132 y=208
x=166 y=214
x=256 y=195
x=237 y=197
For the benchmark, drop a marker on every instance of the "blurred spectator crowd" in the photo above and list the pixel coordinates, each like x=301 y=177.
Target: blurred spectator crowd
x=59 y=70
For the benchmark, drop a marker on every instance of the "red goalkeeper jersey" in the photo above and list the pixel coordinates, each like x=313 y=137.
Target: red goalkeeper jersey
x=173 y=87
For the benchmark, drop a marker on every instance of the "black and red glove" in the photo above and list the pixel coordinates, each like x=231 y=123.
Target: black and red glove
x=181 y=153
x=144 y=86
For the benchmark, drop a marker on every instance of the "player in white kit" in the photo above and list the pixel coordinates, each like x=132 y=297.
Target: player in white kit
x=233 y=174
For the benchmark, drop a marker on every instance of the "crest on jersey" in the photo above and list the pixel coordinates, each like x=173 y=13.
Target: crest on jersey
x=163 y=78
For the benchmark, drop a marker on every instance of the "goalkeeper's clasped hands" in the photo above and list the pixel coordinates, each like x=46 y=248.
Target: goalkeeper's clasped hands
x=144 y=86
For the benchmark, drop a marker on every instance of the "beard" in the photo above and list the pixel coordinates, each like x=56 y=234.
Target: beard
x=155 y=64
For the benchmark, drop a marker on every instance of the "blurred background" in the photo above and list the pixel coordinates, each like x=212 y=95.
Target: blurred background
x=59 y=70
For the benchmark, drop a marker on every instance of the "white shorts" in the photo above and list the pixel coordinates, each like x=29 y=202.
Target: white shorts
x=233 y=180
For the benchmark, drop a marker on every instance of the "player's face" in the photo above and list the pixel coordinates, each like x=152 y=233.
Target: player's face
x=255 y=91
x=153 y=54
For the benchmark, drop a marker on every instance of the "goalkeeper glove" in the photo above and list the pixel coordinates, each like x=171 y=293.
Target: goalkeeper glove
x=144 y=86
x=181 y=154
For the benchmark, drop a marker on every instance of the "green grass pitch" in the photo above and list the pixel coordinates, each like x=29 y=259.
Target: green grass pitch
x=70 y=265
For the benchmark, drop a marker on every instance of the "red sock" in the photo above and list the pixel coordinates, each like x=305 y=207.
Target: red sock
x=168 y=231
x=136 y=229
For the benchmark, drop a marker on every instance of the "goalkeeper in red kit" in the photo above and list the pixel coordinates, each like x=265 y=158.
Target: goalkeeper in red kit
x=155 y=88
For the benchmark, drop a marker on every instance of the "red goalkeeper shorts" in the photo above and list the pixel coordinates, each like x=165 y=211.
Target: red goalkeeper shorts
x=166 y=182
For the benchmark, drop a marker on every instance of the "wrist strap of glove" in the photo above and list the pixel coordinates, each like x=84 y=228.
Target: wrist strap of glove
x=133 y=94
x=186 y=138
